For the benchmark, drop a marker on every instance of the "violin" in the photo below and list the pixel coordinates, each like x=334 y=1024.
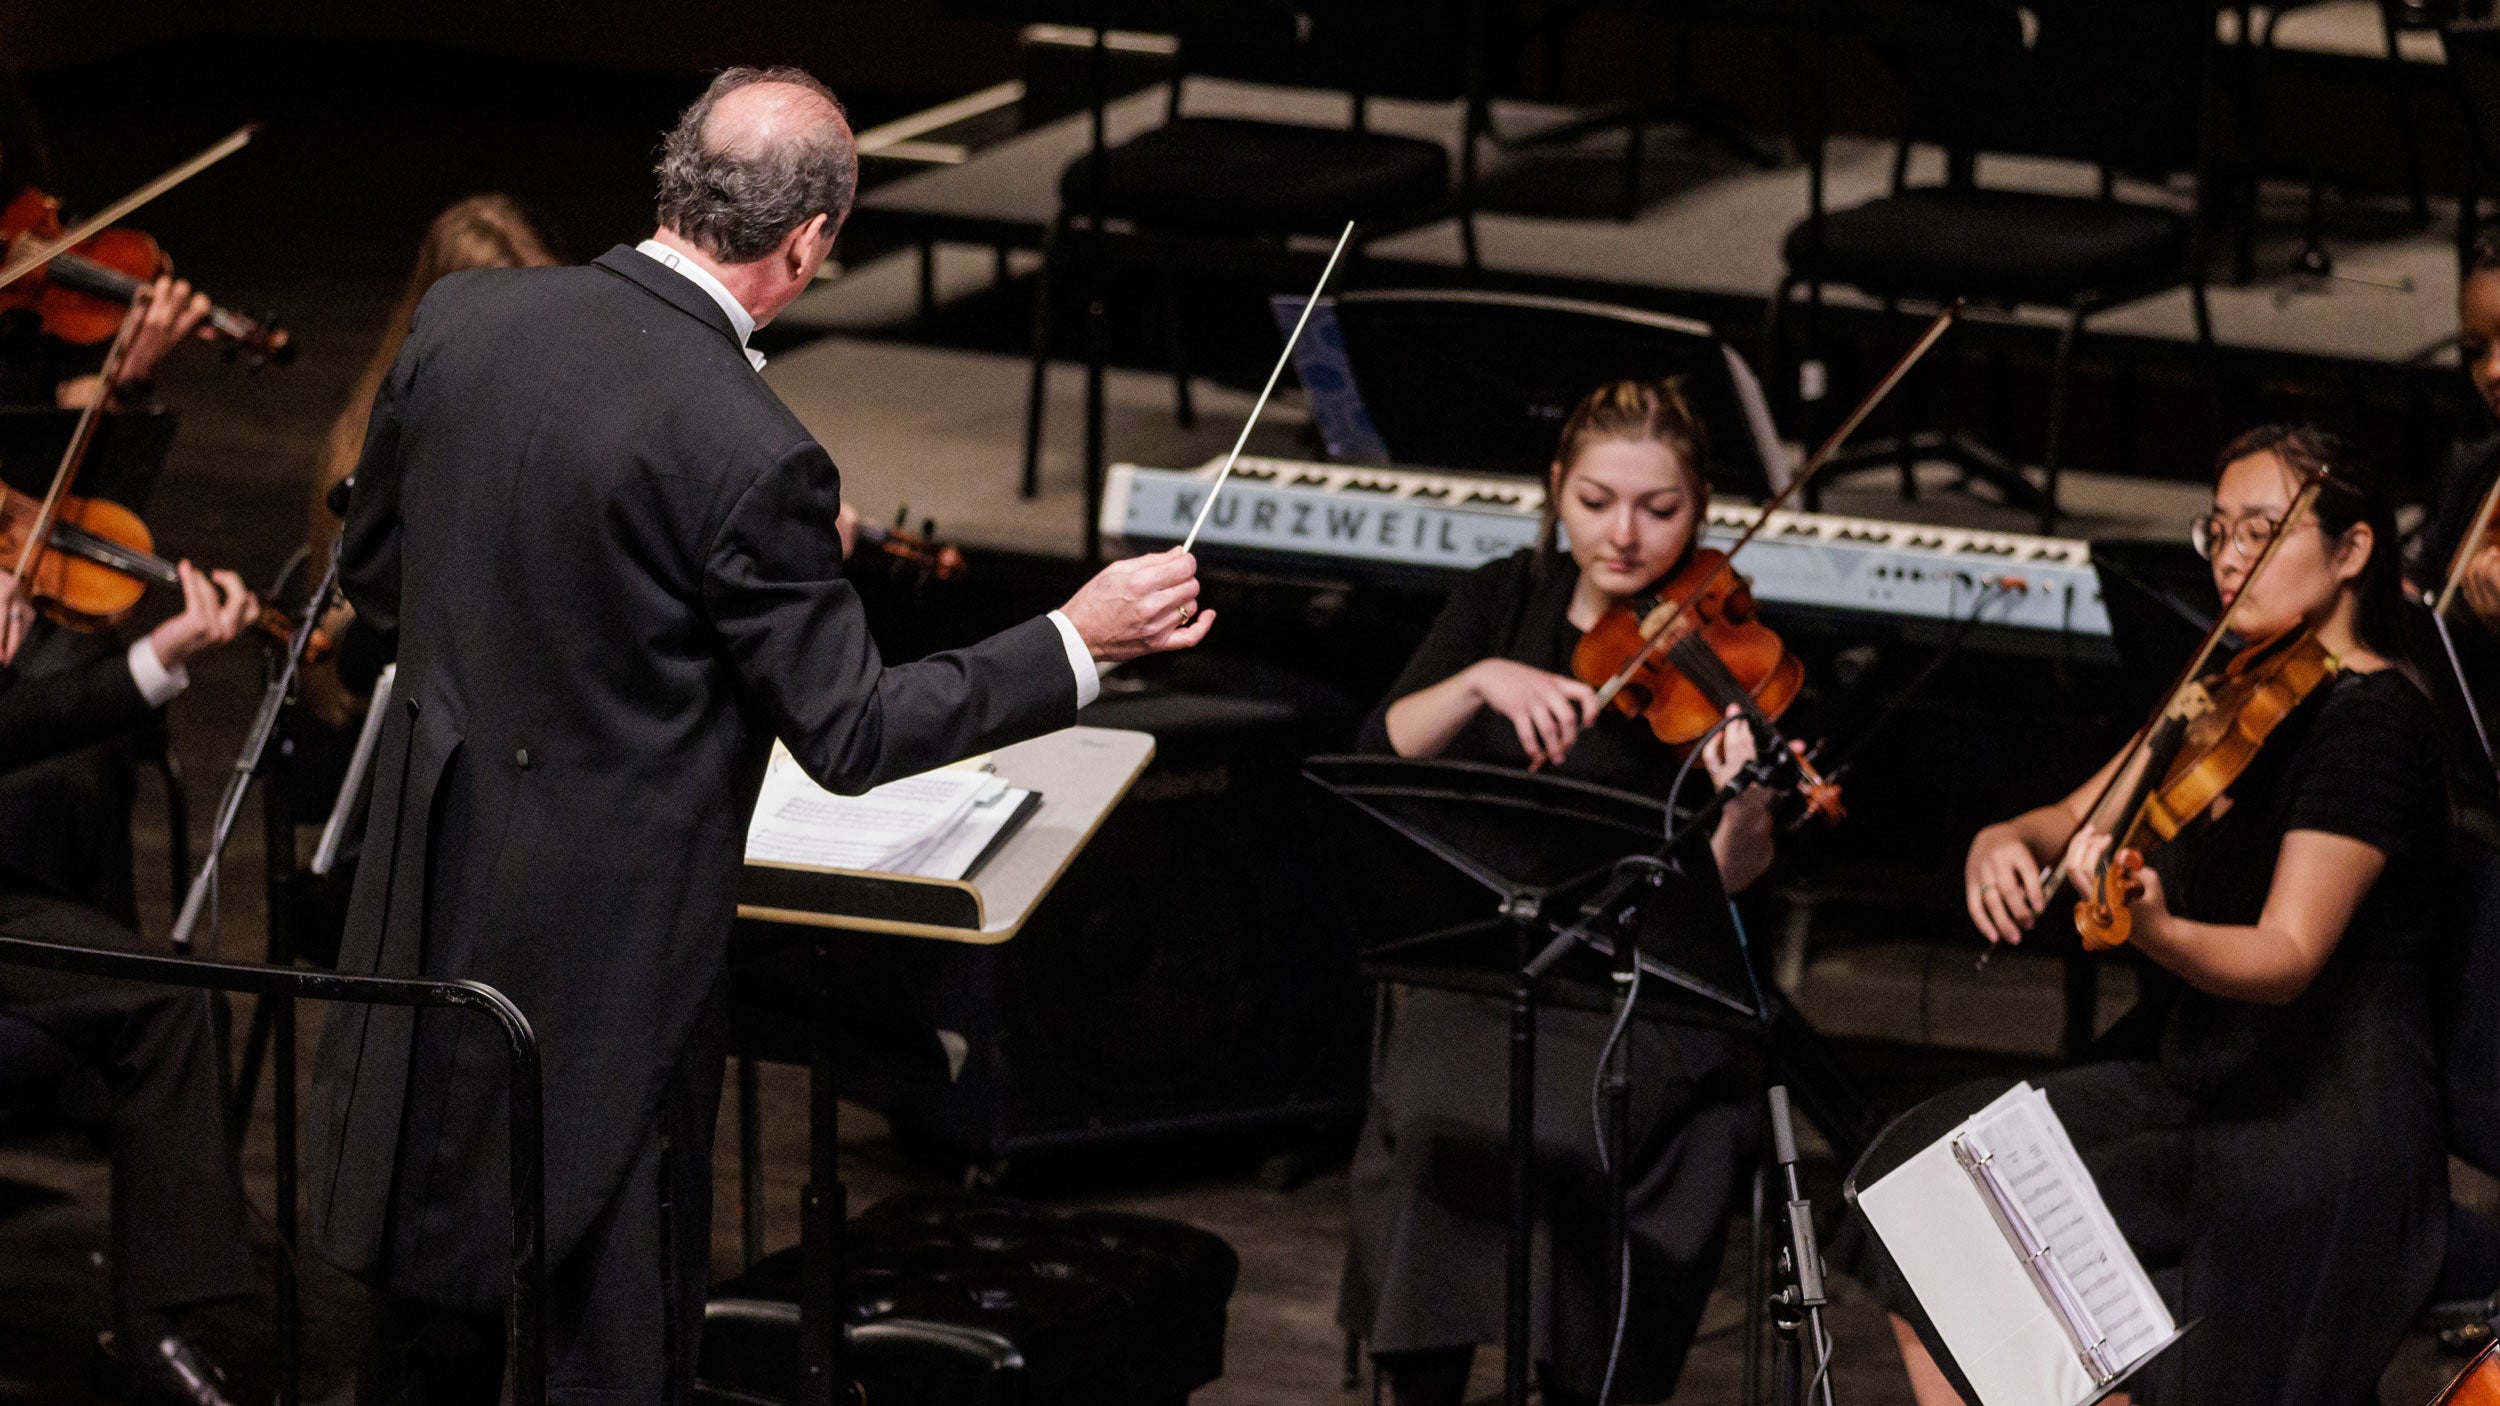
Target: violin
x=1693 y=649
x=2206 y=732
x=2478 y=1384
x=100 y=560
x=1716 y=655
x=2203 y=741
x=942 y=560
x=83 y=293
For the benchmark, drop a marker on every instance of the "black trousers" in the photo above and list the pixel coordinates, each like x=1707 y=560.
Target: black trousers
x=180 y=1233
x=624 y=1309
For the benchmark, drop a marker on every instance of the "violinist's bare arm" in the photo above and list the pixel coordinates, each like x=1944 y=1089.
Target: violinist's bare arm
x=1547 y=710
x=2319 y=882
x=2481 y=588
x=2001 y=875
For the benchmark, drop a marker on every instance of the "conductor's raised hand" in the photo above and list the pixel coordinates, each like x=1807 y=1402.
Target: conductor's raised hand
x=1144 y=605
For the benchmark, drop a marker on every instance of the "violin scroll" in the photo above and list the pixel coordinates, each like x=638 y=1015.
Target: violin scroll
x=2106 y=919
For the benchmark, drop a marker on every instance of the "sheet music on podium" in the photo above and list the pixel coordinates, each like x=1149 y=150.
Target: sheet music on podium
x=2004 y=1238
x=938 y=825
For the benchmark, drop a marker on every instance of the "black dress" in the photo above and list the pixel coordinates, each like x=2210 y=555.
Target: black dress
x=2282 y=1169
x=1428 y=1222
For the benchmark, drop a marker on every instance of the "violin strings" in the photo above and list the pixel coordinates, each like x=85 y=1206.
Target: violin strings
x=1299 y=323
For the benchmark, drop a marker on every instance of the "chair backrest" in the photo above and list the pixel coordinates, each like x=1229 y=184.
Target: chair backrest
x=2119 y=83
x=1483 y=381
x=2473 y=53
x=1366 y=48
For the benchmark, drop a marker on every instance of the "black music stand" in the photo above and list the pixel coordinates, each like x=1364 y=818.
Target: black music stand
x=1499 y=882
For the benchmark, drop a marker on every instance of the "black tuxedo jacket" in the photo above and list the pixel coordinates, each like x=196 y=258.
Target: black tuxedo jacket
x=52 y=715
x=606 y=553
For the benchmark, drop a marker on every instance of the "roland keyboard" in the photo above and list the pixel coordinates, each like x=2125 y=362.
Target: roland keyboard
x=2028 y=592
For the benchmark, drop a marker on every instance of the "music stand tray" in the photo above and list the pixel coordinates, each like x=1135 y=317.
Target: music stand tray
x=1459 y=861
x=1080 y=773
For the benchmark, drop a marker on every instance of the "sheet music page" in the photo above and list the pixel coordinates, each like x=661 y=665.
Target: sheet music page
x=1938 y=1226
x=2039 y=1165
x=952 y=854
x=887 y=830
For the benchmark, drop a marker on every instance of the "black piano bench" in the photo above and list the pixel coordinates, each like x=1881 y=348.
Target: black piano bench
x=961 y=1300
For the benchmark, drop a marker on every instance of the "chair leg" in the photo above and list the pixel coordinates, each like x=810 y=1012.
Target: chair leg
x=2400 y=107
x=1353 y=1376
x=1175 y=344
x=750 y=1165
x=1038 y=395
x=1636 y=128
x=2061 y=384
x=1906 y=466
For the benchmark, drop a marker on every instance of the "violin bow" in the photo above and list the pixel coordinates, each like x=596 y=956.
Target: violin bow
x=39 y=535
x=2194 y=670
x=1805 y=473
x=2475 y=539
x=1226 y=473
x=104 y=219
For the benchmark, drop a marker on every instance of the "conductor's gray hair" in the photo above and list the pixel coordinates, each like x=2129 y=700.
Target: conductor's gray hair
x=738 y=203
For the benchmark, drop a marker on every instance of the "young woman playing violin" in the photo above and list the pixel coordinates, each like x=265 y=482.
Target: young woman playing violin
x=2277 y=1159
x=39 y=368
x=1492 y=683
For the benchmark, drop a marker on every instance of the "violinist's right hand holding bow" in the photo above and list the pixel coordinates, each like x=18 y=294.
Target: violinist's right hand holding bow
x=1546 y=710
x=2001 y=883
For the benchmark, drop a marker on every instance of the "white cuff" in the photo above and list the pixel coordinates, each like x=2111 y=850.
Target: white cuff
x=1080 y=659
x=157 y=684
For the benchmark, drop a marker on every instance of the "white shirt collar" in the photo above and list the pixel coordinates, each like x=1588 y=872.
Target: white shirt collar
x=702 y=278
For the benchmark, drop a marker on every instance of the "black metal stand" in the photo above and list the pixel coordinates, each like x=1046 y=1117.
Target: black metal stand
x=526 y=1332
x=824 y=1207
x=1796 y=1305
x=1465 y=818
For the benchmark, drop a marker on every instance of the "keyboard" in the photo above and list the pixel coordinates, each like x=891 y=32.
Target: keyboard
x=2027 y=592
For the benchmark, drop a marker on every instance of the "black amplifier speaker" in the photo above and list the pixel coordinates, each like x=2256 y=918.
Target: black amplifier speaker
x=1189 y=974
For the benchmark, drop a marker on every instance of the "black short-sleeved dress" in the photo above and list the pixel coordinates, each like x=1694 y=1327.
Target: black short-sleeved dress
x=2282 y=1169
x=1428 y=1223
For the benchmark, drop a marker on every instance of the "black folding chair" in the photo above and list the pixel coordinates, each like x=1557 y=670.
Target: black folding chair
x=2118 y=84
x=1228 y=193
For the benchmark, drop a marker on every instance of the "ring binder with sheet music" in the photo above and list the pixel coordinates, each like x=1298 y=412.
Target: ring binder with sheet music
x=2001 y=1233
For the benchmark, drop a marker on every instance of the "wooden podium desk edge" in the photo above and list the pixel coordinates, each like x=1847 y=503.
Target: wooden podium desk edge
x=1049 y=764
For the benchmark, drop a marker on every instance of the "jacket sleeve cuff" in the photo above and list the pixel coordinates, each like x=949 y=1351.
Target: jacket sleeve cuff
x=157 y=684
x=1080 y=659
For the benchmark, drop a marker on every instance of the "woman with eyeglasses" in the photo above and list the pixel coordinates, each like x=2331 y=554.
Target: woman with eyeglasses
x=2274 y=1152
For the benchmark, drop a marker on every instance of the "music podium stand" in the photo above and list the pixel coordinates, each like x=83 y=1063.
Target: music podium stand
x=1080 y=773
x=1499 y=882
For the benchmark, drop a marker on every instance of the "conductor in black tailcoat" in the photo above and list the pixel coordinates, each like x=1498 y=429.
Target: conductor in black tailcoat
x=607 y=557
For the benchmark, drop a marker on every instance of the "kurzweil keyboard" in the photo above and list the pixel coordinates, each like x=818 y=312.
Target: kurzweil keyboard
x=1349 y=518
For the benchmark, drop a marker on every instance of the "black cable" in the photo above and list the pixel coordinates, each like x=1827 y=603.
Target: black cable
x=1945 y=650
x=1597 y=1122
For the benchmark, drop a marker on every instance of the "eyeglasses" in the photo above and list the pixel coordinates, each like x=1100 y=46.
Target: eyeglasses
x=2213 y=532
